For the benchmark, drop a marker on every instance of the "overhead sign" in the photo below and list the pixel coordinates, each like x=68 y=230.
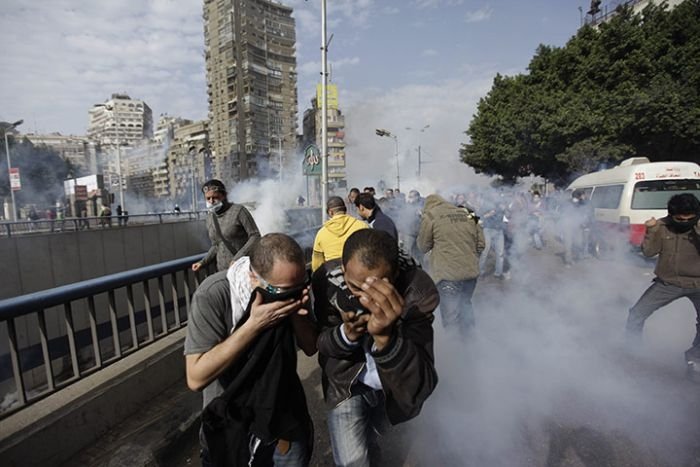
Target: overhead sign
x=312 y=160
x=15 y=182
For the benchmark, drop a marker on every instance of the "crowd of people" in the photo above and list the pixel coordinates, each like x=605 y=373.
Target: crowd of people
x=381 y=267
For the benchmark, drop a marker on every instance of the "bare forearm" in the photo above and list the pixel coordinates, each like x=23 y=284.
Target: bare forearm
x=202 y=369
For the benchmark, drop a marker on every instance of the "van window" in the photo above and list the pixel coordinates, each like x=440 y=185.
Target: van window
x=654 y=194
x=607 y=197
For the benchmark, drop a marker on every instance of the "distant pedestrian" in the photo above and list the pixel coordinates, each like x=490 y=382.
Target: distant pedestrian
x=369 y=210
x=120 y=212
x=177 y=210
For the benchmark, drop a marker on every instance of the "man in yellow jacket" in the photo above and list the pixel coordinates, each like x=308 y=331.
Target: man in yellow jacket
x=330 y=239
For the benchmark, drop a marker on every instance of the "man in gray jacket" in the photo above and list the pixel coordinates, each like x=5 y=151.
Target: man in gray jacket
x=455 y=241
x=676 y=239
x=231 y=228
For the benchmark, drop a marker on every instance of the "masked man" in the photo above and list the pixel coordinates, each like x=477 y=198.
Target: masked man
x=232 y=230
x=240 y=350
x=676 y=239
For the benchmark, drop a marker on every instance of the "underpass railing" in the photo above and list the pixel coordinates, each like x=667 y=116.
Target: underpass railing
x=58 y=336
x=75 y=224
x=53 y=338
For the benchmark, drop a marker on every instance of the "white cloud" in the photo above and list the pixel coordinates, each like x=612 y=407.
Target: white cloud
x=423 y=4
x=74 y=54
x=476 y=16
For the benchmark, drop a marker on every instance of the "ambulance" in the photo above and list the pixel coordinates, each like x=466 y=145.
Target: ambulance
x=627 y=195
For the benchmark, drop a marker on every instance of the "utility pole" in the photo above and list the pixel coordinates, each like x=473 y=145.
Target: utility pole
x=324 y=113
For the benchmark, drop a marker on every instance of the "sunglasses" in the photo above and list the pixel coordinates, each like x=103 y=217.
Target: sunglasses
x=206 y=188
x=275 y=290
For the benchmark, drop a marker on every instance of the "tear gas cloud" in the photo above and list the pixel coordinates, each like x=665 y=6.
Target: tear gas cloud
x=548 y=376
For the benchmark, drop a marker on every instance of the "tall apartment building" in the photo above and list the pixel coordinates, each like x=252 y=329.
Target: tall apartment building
x=336 y=134
x=118 y=123
x=189 y=164
x=251 y=82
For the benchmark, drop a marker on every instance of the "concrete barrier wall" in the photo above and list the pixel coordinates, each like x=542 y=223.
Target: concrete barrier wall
x=42 y=261
x=54 y=429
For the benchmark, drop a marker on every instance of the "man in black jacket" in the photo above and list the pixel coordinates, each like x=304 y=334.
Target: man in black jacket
x=240 y=351
x=368 y=209
x=376 y=342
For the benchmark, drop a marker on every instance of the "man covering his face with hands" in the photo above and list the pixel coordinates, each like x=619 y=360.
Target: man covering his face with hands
x=376 y=343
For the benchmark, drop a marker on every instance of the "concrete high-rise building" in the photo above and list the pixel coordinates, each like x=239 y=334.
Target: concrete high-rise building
x=251 y=82
x=120 y=119
x=118 y=123
x=189 y=164
x=336 y=135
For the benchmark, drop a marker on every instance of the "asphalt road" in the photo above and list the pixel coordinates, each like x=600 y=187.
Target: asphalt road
x=548 y=378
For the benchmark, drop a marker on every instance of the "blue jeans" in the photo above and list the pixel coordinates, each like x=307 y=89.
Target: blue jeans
x=456 y=308
x=493 y=238
x=298 y=455
x=656 y=296
x=354 y=426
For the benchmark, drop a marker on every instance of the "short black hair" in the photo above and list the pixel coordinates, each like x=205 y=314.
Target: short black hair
x=214 y=185
x=366 y=200
x=273 y=247
x=685 y=203
x=373 y=248
x=355 y=190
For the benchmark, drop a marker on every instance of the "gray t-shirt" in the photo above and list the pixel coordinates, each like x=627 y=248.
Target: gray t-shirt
x=209 y=323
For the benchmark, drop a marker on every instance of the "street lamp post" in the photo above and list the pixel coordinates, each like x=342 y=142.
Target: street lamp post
x=387 y=133
x=113 y=109
x=9 y=166
x=419 y=147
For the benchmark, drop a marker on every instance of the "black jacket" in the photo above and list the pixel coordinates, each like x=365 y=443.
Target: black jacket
x=263 y=397
x=406 y=366
x=380 y=221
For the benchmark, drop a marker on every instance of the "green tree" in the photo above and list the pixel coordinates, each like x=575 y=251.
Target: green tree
x=629 y=87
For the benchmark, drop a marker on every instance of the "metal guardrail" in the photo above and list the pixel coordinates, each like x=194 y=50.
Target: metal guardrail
x=139 y=323
x=75 y=224
x=78 y=341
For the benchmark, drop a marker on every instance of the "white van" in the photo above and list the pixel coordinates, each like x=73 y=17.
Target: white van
x=625 y=196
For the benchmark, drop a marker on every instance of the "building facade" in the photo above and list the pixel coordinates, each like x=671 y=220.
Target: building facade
x=79 y=151
x=189 y=164
x=118 y=124
x=336 y=135
x=251 y=83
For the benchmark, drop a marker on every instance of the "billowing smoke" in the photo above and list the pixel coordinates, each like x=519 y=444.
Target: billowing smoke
x=548 y=378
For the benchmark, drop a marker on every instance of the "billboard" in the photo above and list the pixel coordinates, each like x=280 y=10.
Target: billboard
x=331 y=91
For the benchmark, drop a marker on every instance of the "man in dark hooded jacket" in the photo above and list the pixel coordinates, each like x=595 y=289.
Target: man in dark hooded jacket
x=676 y=239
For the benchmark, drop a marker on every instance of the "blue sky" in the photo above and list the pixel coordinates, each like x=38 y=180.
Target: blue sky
x=398 y=64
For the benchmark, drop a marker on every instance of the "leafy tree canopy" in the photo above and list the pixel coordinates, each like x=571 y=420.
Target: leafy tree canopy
x=630 y=87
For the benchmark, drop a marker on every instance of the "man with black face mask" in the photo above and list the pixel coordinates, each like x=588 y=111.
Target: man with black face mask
x=676 y=239
x=231 y=228
x=240 y=350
